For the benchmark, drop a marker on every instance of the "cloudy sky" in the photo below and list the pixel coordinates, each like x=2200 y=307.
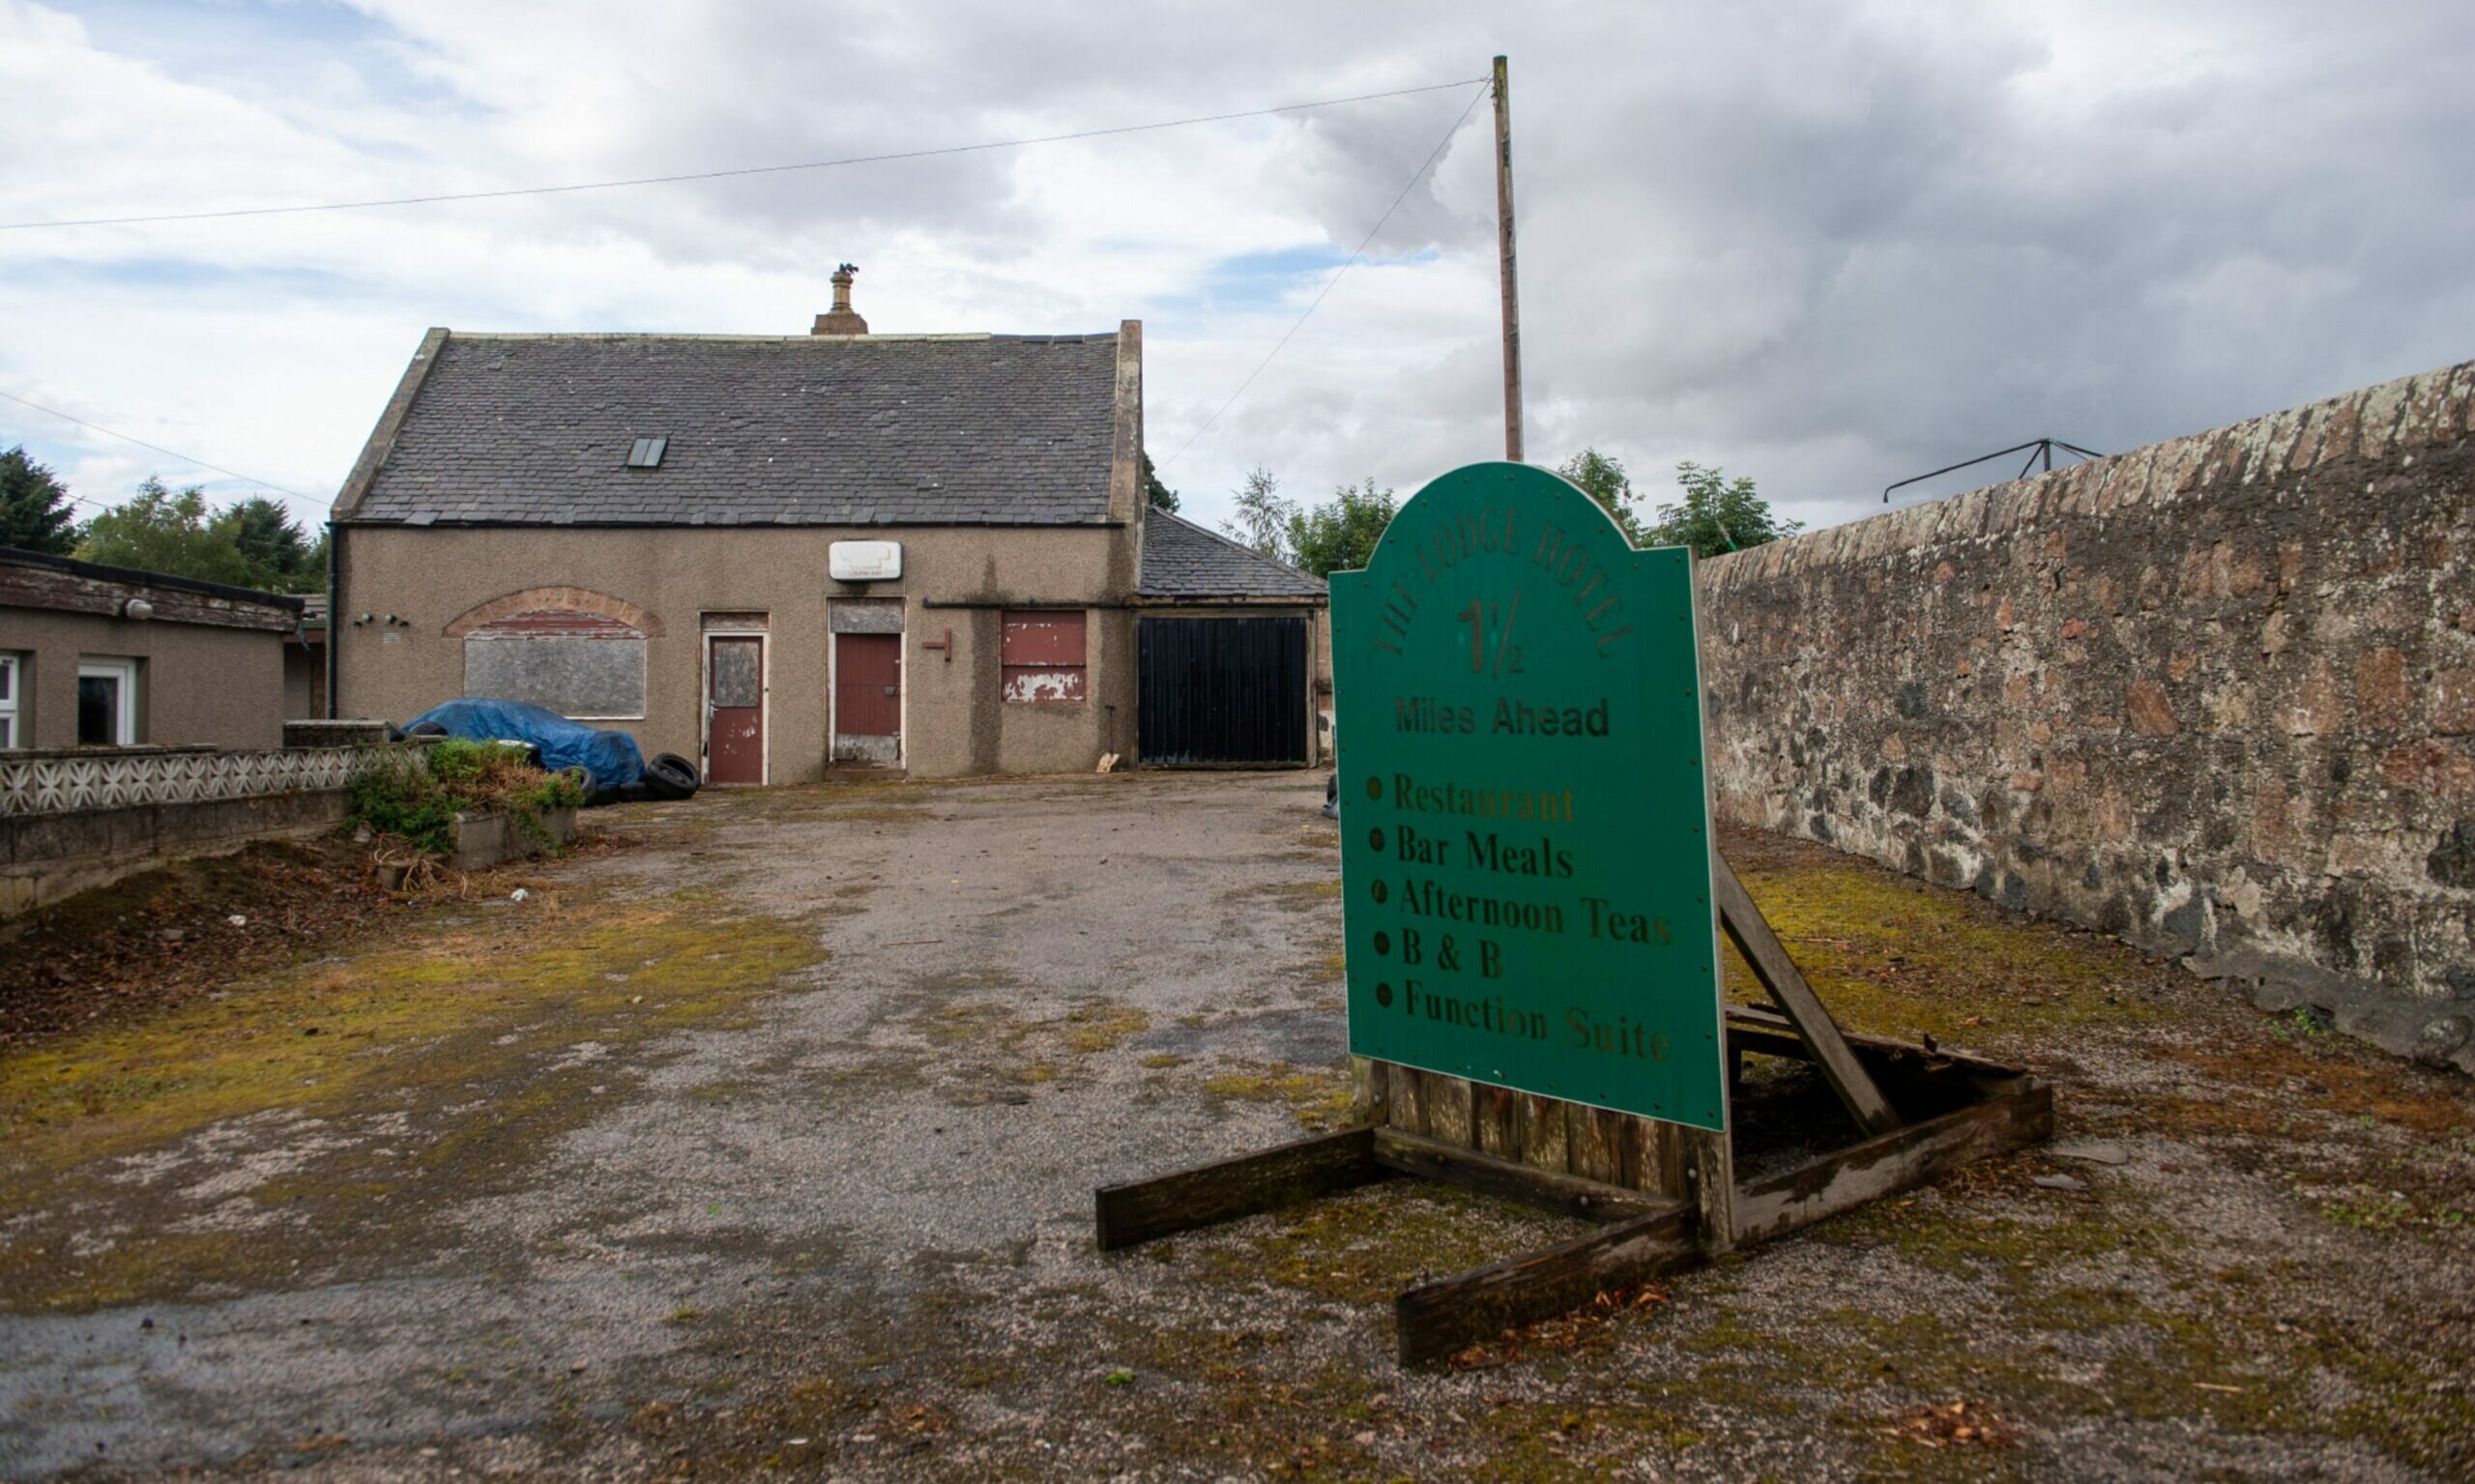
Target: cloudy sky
x=1829 y=246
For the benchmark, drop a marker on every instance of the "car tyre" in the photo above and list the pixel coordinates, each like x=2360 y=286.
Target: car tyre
x=668 y=775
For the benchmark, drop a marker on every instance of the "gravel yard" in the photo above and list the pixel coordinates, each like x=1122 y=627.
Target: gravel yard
x=764 y=1138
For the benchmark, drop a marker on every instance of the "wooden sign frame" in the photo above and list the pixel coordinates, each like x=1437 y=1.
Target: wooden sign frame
x=1666 y=1196
x=1598 y=681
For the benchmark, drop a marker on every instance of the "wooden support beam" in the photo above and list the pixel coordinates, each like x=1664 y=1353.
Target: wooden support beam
x=1409 y=1097
x=1778 y=1203
x=1495 y=1121
x=1545 y=1140
x=1594 y=1142
x=1710 y=1173
x=1433 y=1321
x=1569 y=1195
x=1370 y=1091
x=1449 y=1102
x=1656 y=1155
x=1322 y=1165
x=1751 y=933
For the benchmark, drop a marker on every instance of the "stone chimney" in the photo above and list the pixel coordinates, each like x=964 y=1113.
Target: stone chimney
x=842 y=319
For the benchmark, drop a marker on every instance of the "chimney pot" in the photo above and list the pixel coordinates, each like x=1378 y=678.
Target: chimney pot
x=841 y=319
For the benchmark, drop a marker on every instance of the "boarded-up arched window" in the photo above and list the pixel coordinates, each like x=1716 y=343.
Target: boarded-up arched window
x=578 y=664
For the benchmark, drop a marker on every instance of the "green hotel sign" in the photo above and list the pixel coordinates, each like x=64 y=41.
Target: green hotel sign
x=1524 y=814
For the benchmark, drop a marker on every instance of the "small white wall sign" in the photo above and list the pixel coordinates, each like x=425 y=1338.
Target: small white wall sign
x=863 y=561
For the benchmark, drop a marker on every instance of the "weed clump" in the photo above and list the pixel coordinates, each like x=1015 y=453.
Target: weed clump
x=415 y=796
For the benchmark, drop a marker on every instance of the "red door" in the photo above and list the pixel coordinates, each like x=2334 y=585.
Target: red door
x=734 y=708
x=867 y=684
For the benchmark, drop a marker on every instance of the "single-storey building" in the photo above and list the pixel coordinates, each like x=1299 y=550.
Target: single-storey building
x=1237 y=655
x=777 y=555
x=94 y=655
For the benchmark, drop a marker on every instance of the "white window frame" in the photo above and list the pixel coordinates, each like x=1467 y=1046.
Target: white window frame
x=125 y=671
x=10 y=706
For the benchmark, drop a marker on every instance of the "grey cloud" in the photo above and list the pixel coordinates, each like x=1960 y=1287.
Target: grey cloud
x=1824 y=246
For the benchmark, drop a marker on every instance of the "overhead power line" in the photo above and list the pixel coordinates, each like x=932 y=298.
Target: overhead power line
x=159 y=448
x=1484 y=83
x=730 y=173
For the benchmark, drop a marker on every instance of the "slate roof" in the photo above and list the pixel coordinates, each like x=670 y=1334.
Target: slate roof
x=1184 y=560
x=792 y=430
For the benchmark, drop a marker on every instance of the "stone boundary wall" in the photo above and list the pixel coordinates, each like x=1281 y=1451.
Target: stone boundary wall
x=2215 y=696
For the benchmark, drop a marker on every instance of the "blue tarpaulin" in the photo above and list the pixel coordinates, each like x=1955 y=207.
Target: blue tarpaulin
x=610 y=757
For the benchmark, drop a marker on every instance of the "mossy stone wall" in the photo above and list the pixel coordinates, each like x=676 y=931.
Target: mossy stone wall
x=2216 y=695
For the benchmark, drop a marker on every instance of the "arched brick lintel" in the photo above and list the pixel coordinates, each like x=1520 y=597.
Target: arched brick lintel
x=576 y=599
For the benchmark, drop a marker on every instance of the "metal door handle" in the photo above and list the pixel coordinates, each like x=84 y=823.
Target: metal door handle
x=893 y=690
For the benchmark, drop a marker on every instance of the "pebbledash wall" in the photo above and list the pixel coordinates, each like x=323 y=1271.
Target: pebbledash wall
x=2215 y=696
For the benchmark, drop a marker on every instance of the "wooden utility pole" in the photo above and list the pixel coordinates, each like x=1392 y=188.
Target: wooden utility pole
x=1511 y=280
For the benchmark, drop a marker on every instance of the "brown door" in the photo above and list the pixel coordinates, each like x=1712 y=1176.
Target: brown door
x=867 y=684
x=734 y=708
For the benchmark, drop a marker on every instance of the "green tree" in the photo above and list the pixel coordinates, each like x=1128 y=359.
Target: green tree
x=1263 y=515
x=1602 y=476
x=35 y=514
x=1340 y=535
x=163 y=532
x=313 y=573
x=281 y=557
x=1716 y=516
x=1162 y=496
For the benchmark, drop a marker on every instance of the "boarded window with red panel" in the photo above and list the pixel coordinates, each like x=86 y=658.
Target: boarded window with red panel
x=1043 y=657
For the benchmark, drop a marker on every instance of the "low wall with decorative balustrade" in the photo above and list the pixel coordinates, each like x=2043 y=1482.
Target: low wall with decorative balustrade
x=79 y=818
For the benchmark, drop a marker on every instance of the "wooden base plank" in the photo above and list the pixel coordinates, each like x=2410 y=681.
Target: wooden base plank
x=1434 y=1320
x=1451 y=1165
x=1495 y=1121
x=1597 y=1149
x=1545 y=1143
x=1654 y=1158
x=1779 y=1204
x=1409 y=1097
x=1448 y=1109
x=1322 y=1165
x=1710 y=1170
x=1370 y=1091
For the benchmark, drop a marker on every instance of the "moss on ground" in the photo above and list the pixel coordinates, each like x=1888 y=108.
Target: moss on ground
x=1010 y=1046
x=1096 y=1027
x=2328 y=1075
x=322 y=1037
x=1319 y=1097
x=1892 y=956
x=465 y=1034
x=1298 y=896
x=1364 y=1247
x=1259 y=1350
x=2159 y=1335
x=879 y=813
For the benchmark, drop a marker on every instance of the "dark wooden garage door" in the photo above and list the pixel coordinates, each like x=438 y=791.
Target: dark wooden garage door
x=1223 y=691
